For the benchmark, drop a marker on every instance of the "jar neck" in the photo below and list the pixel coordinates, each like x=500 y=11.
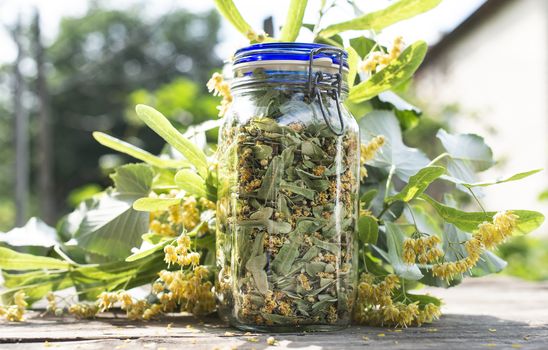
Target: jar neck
x=289 y=78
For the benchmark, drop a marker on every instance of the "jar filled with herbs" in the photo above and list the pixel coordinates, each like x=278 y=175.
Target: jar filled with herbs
x=288 y=191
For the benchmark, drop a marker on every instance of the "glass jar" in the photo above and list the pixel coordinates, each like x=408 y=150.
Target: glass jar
x=288 y=191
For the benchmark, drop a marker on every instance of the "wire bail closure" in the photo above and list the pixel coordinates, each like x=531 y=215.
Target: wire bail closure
x=314 y=91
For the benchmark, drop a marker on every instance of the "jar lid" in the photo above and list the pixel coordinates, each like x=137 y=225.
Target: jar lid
x=289 y=53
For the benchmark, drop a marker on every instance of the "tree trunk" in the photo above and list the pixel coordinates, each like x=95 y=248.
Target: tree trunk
x=21 y=136
x=44 y=145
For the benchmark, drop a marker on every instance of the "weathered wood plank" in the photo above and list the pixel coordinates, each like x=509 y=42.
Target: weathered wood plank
x=500 y=313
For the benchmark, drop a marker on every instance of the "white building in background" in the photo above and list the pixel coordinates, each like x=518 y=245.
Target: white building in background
x=494 y=67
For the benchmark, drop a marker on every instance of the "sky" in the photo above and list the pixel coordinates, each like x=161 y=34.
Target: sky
x=429 y=26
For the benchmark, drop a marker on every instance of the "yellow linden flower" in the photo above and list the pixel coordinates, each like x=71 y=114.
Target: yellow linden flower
x=52 y=303
x=271 y=341
x=15 y=313
x=219 y=87
x=397 y=47
x=106 y=300
x=125 y=300
x=444 y=270
x=155 y=226
x=83 y=310
x=194 y=258
x=391 y=313
x=488 y=235
x=19 y=299
x=152 y=311
x=505 y=221
x=183 y=240
x=495 y=232
x=473 y=248
x=207 y=204
x=367 y=151
x=423 y=249
x=409 y=255
x=191 y=215
x=170 y=256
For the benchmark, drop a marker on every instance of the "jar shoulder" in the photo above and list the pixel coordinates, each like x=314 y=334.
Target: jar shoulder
x=293 y=108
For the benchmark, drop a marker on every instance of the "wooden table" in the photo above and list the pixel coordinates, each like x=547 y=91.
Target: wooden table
x=500 y=313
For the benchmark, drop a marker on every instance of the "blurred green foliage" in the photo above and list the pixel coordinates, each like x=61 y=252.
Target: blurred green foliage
x=182 y=99
x=98 y=65
x=527 y=257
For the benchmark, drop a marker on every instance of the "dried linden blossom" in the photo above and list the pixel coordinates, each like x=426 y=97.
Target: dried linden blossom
x=288 y=182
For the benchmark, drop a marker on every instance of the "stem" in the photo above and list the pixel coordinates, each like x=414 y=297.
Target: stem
x=389 y=180
x=386 y=189
x=322 y=12
x=476 y=198
x=403 y=290
x=385 y=209
x=413 y=217
x=438 y=158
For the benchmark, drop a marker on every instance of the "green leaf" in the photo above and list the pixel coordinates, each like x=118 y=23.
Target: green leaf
x=368 y=196
x=362 y=45
x=514 y=177
x=255 y=265
x=136 y=152
x=353 y=61
x=368 y=229
x=155 y=204
x=132 y=179
x=335 y=40
x=408 y=115
x=489 y=263
x=469 y=148
x=35 y=284
x=193 y=184
x=231 y=13
x=109 y=226
x=406 y=161
x=468 y=221
x=271 y=179
x=378 y=20
x=293 y=20
x=424 y=220
x=12 y=260
x=143 y=253
x=305 y=192
x=34 y=233
x=417 y=184
x=394 y=242
x=468 y=155
x=157 y=122
x=284 y=259
x=395 y=73
x=423 y=299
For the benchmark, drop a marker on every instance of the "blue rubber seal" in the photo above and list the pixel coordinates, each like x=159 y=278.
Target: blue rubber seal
x=285 y=52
